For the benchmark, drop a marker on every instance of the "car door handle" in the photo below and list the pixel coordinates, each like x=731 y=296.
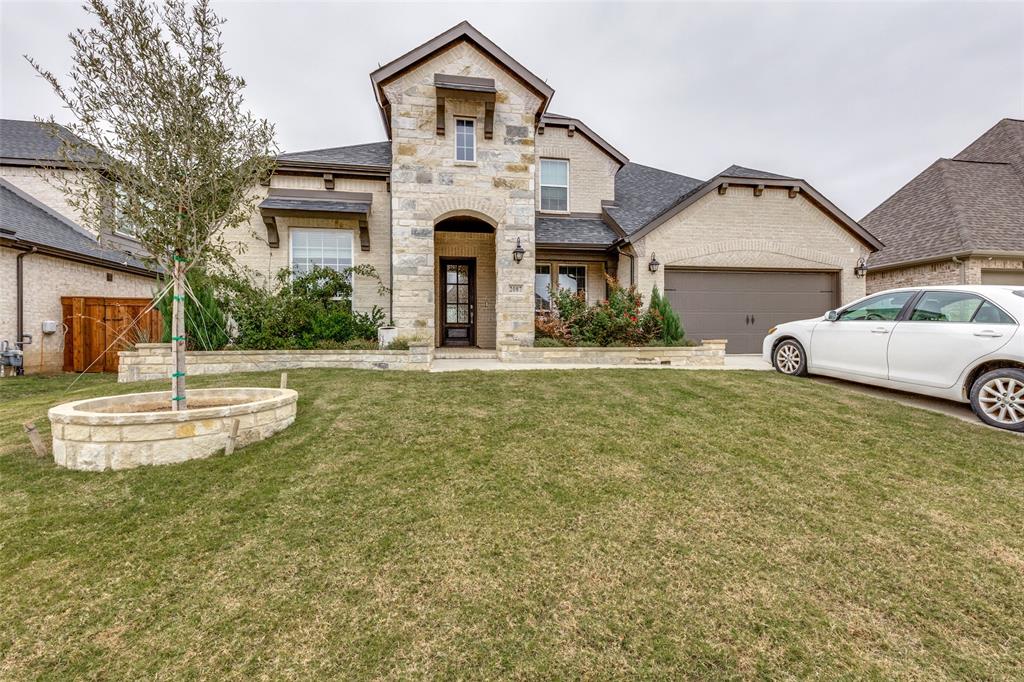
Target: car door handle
x=988 y=334
x=879 y=330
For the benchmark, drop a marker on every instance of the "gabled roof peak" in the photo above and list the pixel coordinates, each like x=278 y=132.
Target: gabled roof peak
x=461 y=31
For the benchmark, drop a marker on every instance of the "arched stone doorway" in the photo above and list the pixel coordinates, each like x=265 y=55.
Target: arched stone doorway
x=465 y=281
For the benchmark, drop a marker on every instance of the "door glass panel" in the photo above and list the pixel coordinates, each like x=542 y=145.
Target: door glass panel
x=463 y=274
x=946 y=306
x=451 y=276
x=885 y=307
x=451 y=314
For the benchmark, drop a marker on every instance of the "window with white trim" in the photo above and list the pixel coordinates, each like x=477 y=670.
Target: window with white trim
x=554 y=185
x=465 y=139
x=320 y=246
x=573 y=278
x=542 y=287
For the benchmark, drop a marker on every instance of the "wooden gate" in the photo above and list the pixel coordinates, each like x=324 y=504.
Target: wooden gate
x=100 y=327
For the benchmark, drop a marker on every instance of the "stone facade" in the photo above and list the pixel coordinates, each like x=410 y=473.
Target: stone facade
x=963 y=271
x=119 y=433
x=428 y=185
x=153 y=360
x=47 y=279
x=710 y=353
x=740 y=230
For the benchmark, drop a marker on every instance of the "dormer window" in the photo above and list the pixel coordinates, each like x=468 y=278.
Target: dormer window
x=554 y=185
x=465 y=139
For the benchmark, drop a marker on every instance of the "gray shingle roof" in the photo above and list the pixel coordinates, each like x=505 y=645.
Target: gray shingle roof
x=34 y=224
x=974 y=202
x=573 y=230
x=643 y=193
x=374 y=154
x=297 y=204
x=742 y=172
x=32 y=141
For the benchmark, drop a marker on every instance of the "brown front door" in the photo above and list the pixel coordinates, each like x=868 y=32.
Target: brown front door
x=458 y=302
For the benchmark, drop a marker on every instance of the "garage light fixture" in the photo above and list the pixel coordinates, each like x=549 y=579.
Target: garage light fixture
x=861 y=268
x=654 y=264
x=518 y=252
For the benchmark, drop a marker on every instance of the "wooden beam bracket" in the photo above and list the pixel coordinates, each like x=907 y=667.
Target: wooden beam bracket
x=758 y=190
x=328 y=180
x=488 y=120
x=723 y=188
x=793 y=191
x=572 y=130
x=440 y=115
x=273 y=239
x=364 y=235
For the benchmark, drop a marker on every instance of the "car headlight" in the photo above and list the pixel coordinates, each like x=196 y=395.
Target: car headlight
x=772 y=330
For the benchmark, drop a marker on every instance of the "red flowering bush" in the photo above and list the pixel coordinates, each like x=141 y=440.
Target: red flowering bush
x=621 y=320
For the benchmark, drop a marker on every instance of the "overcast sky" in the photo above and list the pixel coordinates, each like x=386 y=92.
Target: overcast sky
x=855 y=97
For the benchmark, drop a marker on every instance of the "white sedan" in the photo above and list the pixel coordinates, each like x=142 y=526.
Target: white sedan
x=961 y=343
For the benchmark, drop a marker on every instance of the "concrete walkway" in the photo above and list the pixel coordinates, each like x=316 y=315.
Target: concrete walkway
x=750 y=362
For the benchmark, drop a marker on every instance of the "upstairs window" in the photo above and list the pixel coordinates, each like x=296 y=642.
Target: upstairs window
x=554 y=185
x=465 y=139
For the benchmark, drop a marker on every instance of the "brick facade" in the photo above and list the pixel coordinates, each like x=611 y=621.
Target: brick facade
x=47 y=279
x=591 y=170
x=967 y=271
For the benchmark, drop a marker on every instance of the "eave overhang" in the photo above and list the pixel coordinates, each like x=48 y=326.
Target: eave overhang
x=574 y=125
x=302 y=203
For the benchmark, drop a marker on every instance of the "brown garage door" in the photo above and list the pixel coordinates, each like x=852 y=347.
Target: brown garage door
x=741 y=306
x=1002 y=277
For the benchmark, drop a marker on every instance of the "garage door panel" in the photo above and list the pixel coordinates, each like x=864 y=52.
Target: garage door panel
x=741 y=306
x=1010 y=277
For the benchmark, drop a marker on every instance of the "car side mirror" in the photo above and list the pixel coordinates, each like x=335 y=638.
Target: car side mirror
x=832 y=316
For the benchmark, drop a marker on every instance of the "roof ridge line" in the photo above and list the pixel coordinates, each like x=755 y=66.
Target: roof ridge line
x=955 y=207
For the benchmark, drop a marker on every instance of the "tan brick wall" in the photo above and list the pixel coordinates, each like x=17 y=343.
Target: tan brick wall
x=968 y=271
x=35 y=183
x=591 y=171
x=46 y=280
x=740 y=230
x=249 y=243
x=480 y=247
x=429 y=185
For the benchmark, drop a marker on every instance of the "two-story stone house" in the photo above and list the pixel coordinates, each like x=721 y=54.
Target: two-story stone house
x=480 y=199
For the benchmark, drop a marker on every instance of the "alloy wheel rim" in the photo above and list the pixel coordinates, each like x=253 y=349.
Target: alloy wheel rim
x=787 y=358
x=1002 y=400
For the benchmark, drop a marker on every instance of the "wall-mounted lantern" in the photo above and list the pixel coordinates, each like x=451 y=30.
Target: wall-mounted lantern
x=518 y=252
x=654 y=264
x=861 y=268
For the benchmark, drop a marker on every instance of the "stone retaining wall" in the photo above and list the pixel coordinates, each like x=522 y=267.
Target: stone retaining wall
x=710 y=353
x=153 y=360
x=115 y=433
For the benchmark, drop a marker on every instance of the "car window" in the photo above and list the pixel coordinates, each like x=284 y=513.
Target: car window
x=946 y=306
x=882 y=307
x=990 y=314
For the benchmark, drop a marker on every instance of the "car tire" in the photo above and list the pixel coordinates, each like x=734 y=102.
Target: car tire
x=789 y=358
x=997 y=397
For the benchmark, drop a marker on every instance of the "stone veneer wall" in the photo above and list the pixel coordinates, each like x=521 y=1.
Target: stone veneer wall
x=47 y=279
x=249 y=241
x=480 y=247
x=153 y=360
x=968 y=271
x=710 y=353
x=119 y=433
x=428 y=185
x=591 y=171
x=743 y=231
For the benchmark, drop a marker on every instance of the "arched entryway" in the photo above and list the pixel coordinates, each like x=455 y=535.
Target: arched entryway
x=465 y=281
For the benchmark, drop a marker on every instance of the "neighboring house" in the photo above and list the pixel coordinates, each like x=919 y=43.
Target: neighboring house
x=481 y=198
x=45 y=254
x=961 y=221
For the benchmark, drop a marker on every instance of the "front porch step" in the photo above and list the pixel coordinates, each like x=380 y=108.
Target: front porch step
x=465 y=354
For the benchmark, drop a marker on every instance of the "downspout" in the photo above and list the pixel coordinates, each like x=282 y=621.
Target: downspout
x=20 y=276
x=963 y=269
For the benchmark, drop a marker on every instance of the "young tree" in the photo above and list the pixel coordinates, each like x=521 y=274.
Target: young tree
x=166 y=150
x=671 y=326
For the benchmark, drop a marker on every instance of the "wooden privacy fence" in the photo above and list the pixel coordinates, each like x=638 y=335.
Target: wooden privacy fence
x=94 y=325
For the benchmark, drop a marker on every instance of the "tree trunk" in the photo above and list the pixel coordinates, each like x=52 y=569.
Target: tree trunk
x=178 y=338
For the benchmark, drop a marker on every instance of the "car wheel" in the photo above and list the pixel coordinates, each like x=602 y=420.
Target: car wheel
x=789 y=358
x=998 y=398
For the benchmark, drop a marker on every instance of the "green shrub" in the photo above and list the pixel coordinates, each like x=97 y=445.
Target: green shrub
x=313 y=310
x=205 y=320
x=547 y=342
x=401 y=343
x=671 y=327
x=621 y=320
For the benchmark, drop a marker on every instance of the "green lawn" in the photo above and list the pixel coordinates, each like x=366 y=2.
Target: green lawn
x=597 y=524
